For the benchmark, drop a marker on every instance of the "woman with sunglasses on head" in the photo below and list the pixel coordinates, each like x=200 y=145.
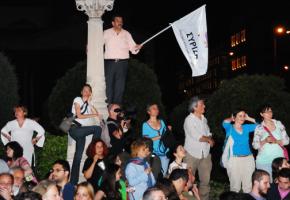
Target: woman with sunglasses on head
x=242 y=164
x=269 y=139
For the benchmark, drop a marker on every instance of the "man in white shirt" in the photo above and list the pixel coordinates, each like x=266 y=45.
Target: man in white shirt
x=198 y=141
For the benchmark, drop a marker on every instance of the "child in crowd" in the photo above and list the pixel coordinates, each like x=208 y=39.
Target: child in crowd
x=179 y=153
x=138 y=171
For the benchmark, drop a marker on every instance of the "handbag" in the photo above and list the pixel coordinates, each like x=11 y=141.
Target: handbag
x=227 y=150
x=285 y=151
x=167 y=139
x=69 y=120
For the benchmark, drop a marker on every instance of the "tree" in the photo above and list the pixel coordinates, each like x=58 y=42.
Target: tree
x=249 y=93
x=8 y=90
x=63 y=93
x=141 y=88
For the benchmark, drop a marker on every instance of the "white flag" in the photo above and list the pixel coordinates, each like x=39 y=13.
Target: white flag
x=191 y=34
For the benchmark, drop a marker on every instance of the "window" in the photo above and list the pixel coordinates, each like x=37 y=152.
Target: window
x=233 y=41
x=234 y=66
x=243 y=35
x=238 y=38
x=244 y=61
x=238 y=62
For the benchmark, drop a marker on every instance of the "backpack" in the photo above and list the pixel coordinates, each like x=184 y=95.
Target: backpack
x=105 y=136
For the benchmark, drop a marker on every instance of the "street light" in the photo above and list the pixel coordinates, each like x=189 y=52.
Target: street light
x=278 y=31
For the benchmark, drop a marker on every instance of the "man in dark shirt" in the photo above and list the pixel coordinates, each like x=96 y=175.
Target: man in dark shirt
x=116 y=129
x=260 y=185
x=280 y=190
x=117 y=132
x=60 y=173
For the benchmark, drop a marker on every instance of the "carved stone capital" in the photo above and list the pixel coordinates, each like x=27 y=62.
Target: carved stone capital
x=94 y=8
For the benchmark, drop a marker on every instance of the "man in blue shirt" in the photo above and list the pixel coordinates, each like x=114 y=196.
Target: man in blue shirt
x=60 y=173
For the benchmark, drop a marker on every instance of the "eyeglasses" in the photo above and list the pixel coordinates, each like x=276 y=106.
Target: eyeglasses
x=56 y=170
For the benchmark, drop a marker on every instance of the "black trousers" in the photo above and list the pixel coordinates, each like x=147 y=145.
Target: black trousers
x=115 y=73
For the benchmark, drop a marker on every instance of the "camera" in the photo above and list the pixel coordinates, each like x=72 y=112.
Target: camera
x=127 y=114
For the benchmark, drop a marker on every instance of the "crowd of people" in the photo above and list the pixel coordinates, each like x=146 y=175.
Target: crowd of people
x=148 y=169
x=119 y=167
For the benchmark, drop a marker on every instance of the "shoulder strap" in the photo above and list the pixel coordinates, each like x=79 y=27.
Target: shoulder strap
x=111 y=122
x=268 y=131
x=85 y=104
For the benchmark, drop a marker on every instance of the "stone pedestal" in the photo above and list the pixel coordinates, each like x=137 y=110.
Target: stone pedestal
x=95 y=64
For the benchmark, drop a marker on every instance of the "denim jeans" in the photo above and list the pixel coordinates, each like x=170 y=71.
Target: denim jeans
x=164 y=164
x=79 y=135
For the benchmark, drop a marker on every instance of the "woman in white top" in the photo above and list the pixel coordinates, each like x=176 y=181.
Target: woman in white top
x=21 y=130
x=85 y=125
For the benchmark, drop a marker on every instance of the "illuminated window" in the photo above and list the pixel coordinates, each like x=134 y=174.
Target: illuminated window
x=238 y=38
x=243 y=35
x=233 y=41
x=244 y=61
x=238 y=62
x=234 y=66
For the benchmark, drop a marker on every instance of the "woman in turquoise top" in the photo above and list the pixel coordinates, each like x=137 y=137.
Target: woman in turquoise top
x=269 y=145
x=241 y=164
x=153 y=129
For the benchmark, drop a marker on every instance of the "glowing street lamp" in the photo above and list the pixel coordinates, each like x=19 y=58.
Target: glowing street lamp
x=278 y=31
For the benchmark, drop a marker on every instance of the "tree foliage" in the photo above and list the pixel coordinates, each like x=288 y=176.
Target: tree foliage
x=63 y=93
x=246 y=92
x=8 y=90
x=141 y=88
x=55 y=147
x=249 y=93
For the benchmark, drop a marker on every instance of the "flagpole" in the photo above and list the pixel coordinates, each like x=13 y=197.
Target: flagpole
x=152 y=37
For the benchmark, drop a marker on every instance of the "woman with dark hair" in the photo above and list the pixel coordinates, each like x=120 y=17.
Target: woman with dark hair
x=153 y=129
x=113 y=159
x=84 y=125
x=14 y=153
x=94 y=165
x=241 y=164
x=110 y=187
x=277 y=165
x=269 y=139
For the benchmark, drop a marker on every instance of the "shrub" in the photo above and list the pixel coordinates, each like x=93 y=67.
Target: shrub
x=55 y=147
x=8 y=90
x=249 y=93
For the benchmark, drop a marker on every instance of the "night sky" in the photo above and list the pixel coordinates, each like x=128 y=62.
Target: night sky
x=49 y=36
